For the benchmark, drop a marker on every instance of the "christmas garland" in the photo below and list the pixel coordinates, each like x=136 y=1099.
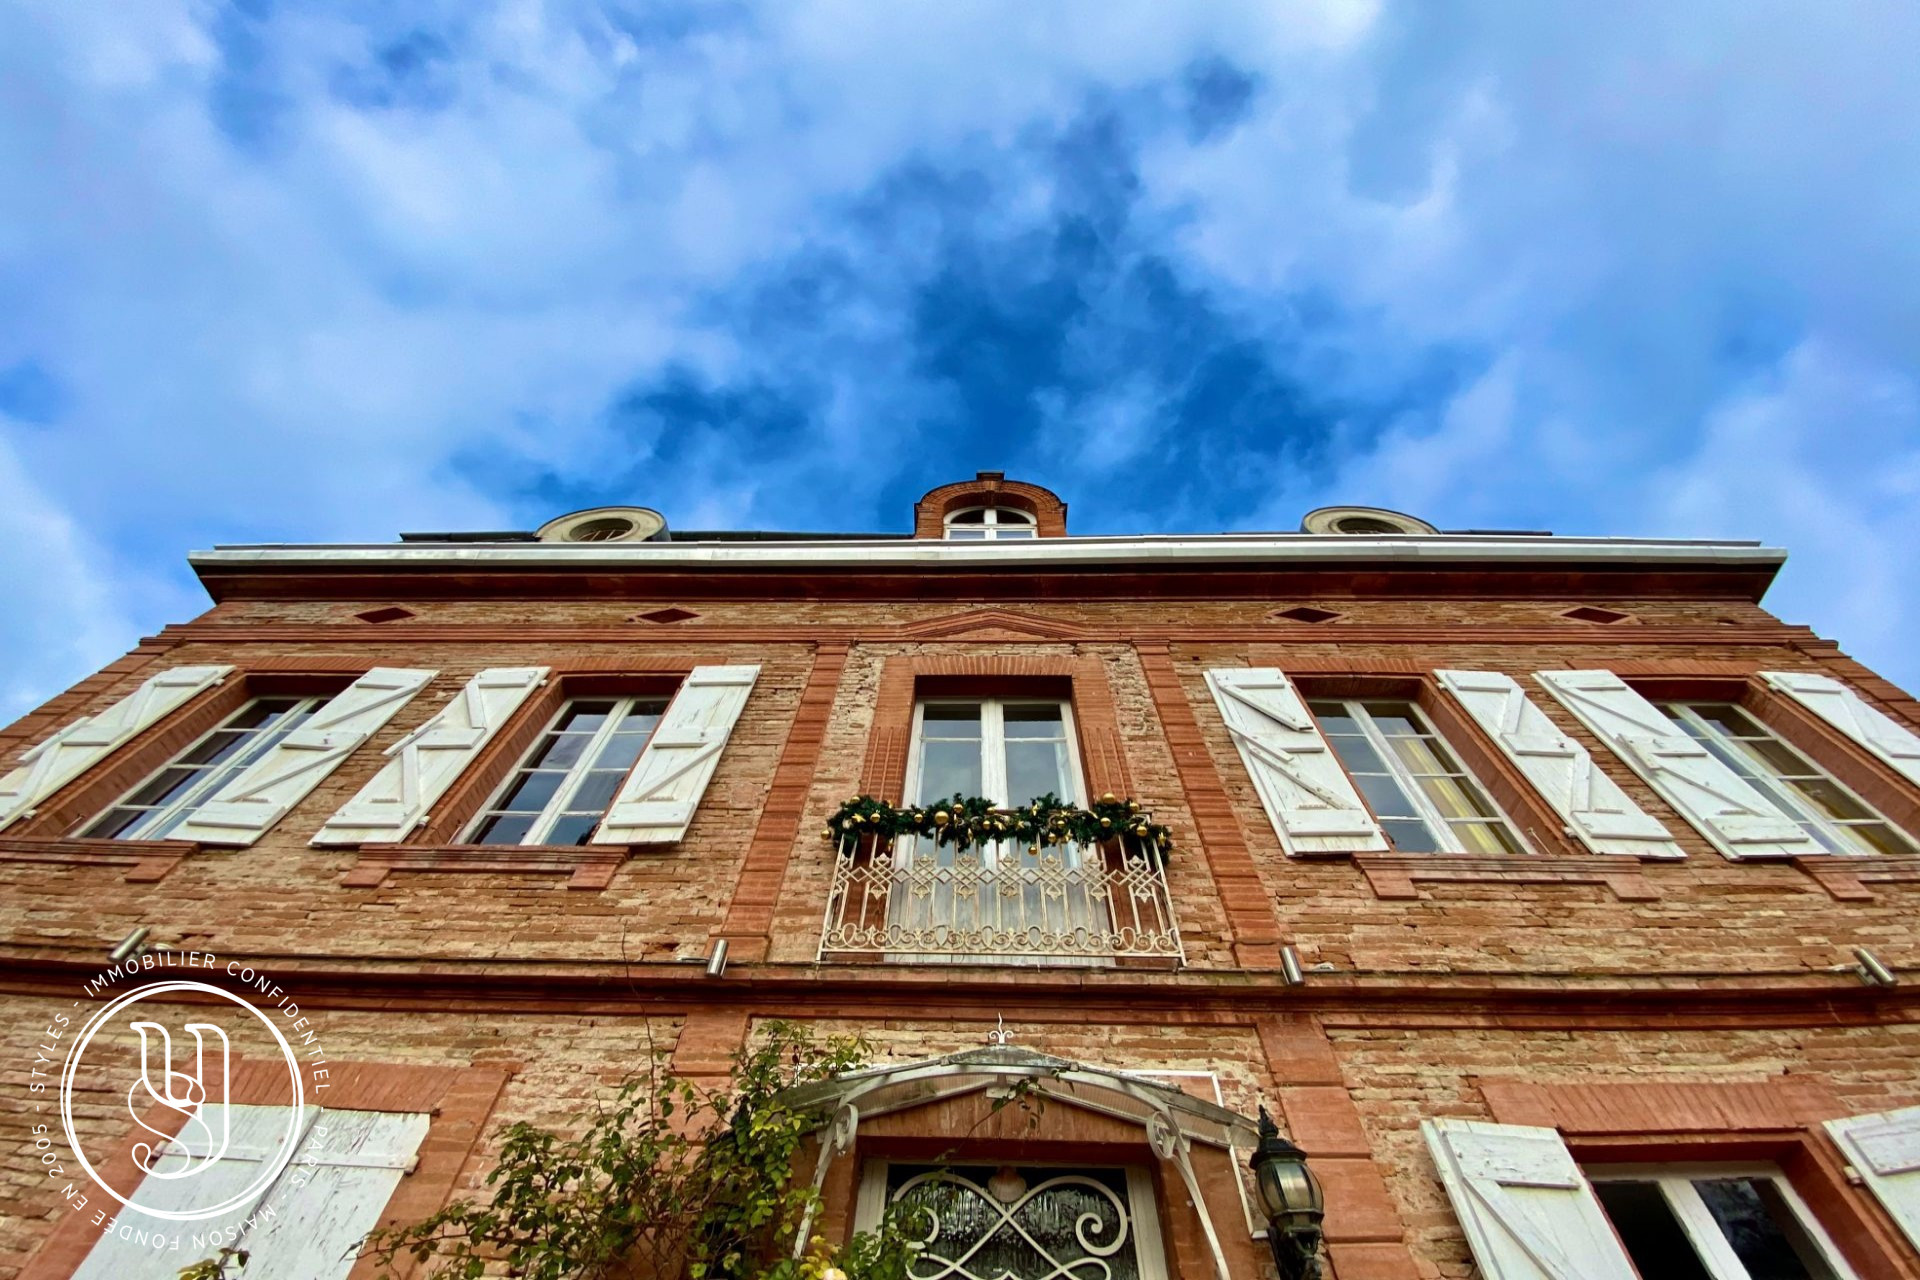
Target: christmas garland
x=964 y=821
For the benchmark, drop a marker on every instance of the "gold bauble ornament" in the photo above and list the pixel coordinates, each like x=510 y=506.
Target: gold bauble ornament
x=1108 y=798
x=941 y=818
x=826 y=833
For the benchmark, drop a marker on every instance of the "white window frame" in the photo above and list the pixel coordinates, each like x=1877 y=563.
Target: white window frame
x=1437 y=823
x=1022 y=527
x=870 y=1202
x=1776 y=789
x=993 y=747
x=557 y=805
x=1675 y=1182
x=212 y=778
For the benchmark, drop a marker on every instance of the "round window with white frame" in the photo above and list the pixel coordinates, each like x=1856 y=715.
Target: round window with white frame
x=990 y=524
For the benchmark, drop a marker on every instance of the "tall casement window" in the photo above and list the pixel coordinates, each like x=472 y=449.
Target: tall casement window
x=1008 y=750
x=990 y=524
x=561 y=789
x=1715 y=1222
x=1830 y=814
x=152 y=810
x=1411 y=780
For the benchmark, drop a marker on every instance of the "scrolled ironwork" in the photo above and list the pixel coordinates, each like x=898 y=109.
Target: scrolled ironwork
x=910 y=899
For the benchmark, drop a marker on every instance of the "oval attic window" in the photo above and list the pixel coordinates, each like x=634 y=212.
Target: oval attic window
x=605 y=524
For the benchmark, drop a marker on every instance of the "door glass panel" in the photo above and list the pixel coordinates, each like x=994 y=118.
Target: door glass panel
x=947 y=769
x=982 y=1223
x=1765 y=1233
x=1652 y=1235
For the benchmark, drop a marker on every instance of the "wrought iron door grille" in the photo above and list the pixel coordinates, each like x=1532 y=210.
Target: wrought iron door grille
x=913 y=900
x=979 y=1223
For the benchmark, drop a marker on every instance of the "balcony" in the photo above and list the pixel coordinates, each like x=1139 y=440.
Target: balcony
x=910 y=900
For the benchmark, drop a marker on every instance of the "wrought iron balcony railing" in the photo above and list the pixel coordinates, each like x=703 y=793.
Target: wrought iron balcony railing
x=1004 y=901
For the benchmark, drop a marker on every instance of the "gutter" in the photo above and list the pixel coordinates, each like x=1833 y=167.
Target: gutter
x=1039 y=554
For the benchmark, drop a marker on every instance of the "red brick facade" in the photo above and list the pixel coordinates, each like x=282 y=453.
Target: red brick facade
x=1647 y=1009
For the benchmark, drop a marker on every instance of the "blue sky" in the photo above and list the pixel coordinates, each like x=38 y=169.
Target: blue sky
x=327 y=271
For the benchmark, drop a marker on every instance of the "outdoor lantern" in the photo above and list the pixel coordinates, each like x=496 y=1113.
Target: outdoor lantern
x=1290 y=1196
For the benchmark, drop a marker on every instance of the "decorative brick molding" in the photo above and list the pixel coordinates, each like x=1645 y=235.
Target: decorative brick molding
x=458 y=1101
x=1082 y=679
x=988 y=489
x=586 y=866
x=756 y=892
x=1845 y=879
x=1245 y=898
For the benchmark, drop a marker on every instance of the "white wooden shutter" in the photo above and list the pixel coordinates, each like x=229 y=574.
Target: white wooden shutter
x=1740 y=821
x=1885 y=1149
x=422 y=765
x=1528 y=1212
x=254 y=1138
x=1305 y=790
x=1851 y=714
x=241 y=811
x=1596 y=810
x=55 y=761
x=333 y=1194
x=657 y=800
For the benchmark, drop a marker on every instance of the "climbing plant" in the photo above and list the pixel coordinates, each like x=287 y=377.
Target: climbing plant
x=666 y=1180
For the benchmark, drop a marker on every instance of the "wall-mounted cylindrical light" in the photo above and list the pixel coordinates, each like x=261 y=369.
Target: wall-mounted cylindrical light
x=1290 y=1196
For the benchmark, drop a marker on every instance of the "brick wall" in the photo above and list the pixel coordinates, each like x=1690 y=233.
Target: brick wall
x=1720 y=972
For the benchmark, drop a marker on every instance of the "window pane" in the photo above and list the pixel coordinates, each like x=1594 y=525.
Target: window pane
x=960 y=534
x=947 y=768
x=1455 y=799
x=976 y=516
x=1764 y=1232
x=113 y=822
x=621 y=750
x=1418 y=755
x=1828 y=799
x=584 y=716
x=1779 y=759
x=1003 y=534
x=1333 y=717
x=1485 y=837
x=1011 y=515
x=951 y=719
x=1651 y=1234
x=1730 y=719
x=1393 y=718
x=559 y=750
x=573 y=830
x=1357 y=754
x=1033 y=769
x=596 y=792
x=1875 y=837
x=164 y=787
x=215 y=747
x=531 y=792
x=1032 y=720
x=510 y=829
x=1411 y=836
x=1384 y=797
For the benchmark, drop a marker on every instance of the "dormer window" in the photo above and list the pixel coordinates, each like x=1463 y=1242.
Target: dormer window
x=990 y=524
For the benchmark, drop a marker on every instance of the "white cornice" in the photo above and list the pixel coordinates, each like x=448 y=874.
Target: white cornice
x=1044 y=553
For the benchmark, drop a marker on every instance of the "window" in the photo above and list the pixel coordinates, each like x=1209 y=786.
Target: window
x=1715 y=1222
x=1010 y=751
x=1829 y=813
x=160 y=804
x=1424 y=800
x=560 y=791
x=1020 y=1223
x=990 y=523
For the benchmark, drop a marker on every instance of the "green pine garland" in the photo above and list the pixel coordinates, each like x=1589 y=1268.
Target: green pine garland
x=964 y=821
